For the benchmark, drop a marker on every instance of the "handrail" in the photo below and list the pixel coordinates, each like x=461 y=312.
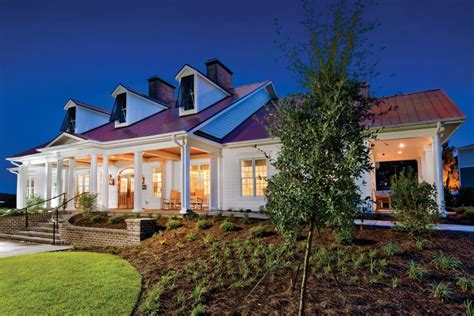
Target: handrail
x=55 y=216
x=39 y=203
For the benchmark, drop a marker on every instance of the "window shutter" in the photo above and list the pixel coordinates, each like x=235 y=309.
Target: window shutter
x=186 y=93
x=120 y=108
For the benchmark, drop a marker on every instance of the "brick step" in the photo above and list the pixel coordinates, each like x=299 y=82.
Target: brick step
x=38 y=240
x=40 y=229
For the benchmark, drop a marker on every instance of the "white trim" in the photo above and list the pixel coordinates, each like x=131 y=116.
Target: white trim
x=64 y=134
x=120 y=88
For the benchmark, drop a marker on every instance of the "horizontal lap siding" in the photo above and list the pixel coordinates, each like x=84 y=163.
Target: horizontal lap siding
x=231 y=181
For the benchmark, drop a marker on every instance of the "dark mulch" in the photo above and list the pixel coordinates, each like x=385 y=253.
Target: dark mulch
x=92 y=221
x=172 y=250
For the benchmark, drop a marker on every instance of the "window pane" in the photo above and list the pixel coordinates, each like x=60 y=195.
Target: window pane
x=157 y=181
x=260 y=177
x=246 y=171
x=205 y=177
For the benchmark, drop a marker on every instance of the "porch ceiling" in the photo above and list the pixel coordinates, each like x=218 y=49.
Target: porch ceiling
x=399 y=149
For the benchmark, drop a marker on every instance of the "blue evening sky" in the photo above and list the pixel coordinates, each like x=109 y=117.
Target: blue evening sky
x=53 y=50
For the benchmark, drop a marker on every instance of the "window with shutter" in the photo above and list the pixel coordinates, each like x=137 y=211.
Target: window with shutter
x=186 y=93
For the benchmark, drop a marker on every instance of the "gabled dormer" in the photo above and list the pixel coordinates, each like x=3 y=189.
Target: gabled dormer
x=197 y=91
x=81 y=117
x=132 y=106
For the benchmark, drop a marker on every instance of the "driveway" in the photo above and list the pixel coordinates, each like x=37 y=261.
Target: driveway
x=10 y=248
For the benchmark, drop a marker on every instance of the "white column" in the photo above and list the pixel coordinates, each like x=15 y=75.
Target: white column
x=59 y=178
x=21 y=193
x=185 y=178
x=93 y=175
x=137 y=188
x=438 y=166
x=70 y=183
x=214 y=198
x=105 y=182
x=48 y=172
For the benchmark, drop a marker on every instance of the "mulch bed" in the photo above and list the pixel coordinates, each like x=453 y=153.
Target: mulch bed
x=89 y=221
x=173 y=249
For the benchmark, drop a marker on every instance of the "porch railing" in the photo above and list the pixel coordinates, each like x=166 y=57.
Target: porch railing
x=55 y=215
x=25 y=209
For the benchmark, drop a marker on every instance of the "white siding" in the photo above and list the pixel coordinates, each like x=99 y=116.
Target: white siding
x=139 y=108
x=207 y=94
x=87 y=119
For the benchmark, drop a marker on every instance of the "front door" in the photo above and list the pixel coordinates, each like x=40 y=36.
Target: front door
x=125 y=189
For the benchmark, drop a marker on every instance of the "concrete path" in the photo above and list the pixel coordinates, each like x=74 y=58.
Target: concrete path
x=10 y=248
x=445 y=227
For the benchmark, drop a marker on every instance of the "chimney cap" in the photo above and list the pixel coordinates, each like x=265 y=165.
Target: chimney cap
x=155 y=77
x=217 y=61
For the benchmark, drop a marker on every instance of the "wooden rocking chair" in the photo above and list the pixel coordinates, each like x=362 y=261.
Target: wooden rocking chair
x=173 y=203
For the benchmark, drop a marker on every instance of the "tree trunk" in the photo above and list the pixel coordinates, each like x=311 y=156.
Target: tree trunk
x=309 y=241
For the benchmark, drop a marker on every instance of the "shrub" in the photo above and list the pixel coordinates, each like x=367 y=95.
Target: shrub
x=35 y=203
x=469 y=308
x=414 y=203
x=391 y=249
x=218 y=217
x=228 y=226
x=203 y=224
x=191 y=236
x=345 y=235
x=117 y=219
x=247 y=220
x=415 y=271
x=231 y=218
x=97 y=217
x=395 y=282
x=258 y=231
x=444 y=262
x=173 y=224
x=420 y=243
x=199 y=310
x=440 y=291
x=88 y=202
x=465 y=283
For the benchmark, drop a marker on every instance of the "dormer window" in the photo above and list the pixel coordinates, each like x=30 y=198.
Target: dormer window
x=69 y=123
x=119 y=113
x=186 y=93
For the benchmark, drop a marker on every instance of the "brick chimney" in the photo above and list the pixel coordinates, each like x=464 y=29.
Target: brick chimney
x=160 y=90
x=364 y=89
x=219 y=73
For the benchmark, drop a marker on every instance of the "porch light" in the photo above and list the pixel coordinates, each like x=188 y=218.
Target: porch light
x=402 y=145
x=399 y=152
x=111 y=180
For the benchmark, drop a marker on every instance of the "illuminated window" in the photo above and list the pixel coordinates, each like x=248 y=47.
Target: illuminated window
x=82 y=184
x=157 y=175
x=200 y=178
x=253 y=174
x=30 y=187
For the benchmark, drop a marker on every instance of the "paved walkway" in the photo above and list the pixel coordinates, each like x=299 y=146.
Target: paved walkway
x=10 y=248
x=445 y=227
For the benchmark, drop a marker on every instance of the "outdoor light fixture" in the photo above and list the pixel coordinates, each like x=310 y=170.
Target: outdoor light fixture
x=399 y=152
x=401 y=145
x=111 y=180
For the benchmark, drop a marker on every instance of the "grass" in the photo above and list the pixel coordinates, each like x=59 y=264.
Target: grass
x=79 y=283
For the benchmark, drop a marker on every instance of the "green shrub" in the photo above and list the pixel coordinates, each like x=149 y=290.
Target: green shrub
x=414 y=203
x=345 y=235
x=203 y=224
x=88 y=202
x=441 y=291
x=415 y=271
x=97 y=217
x=173 y=224
x=199 y=310
x=10 y=212
x=391 y=249
x=446 y=262
x=228 y=226
x=469 y=308
x=259 y=231
x=35 y=203
x=116 y=219
x=218 y=217
x=247 y=219
x=465 y=283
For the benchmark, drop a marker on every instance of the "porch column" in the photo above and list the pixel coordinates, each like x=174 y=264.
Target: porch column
x=214 y=198
x=438 y=172
x=93 y=175
x=137 y=185
x=21 y=186
x=105 y=182
x=70 y=183
x=59 y=179
x=48 y=172
x=185 y=178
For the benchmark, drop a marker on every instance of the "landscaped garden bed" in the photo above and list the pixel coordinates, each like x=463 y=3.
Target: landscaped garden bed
x=225 y=266
x=99 y=220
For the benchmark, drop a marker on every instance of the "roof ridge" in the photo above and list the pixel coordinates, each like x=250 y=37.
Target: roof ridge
x=410 y=93
x=90 y=106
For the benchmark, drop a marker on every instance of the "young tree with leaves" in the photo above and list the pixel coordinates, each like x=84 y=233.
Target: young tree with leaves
x=324 y=145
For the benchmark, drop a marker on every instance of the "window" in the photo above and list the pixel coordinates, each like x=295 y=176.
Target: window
x=388 y=169
x=186 y=93
x=82 y=184
x=69 y=123
x=253 y=174
x=157 y=178
x=200 y=178
x=30 y=187
x=119 y=112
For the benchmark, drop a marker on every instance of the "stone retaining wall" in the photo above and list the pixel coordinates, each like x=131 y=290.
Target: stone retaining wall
x=17 y=222
x=137 y=230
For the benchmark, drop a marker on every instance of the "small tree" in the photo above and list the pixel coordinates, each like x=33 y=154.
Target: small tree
x=88 y=202
x=414 y=203
x=323 y=141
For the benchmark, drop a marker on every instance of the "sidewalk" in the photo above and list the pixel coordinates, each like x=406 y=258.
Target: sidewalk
x=444 y=227
x=10 y=248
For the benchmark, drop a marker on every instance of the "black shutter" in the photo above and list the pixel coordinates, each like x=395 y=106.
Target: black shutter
x=69 y=123
x=186 y=93
x=120 y=108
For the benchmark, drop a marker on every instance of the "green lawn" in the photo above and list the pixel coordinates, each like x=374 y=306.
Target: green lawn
x=68 y=283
